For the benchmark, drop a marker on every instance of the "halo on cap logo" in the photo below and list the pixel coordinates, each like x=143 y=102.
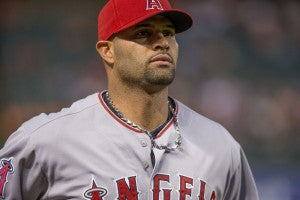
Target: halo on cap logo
x=152 y=4
x=100 y=191
x=95 y=192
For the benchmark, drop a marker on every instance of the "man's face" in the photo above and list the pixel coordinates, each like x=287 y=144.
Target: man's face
x=146 y=54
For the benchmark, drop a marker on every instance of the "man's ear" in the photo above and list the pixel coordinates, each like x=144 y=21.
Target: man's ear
x=106 y=50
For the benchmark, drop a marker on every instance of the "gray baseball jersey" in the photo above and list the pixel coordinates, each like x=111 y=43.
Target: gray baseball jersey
x=87 y=152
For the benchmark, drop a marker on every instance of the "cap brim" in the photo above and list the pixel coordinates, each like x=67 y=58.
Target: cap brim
x=182 y=21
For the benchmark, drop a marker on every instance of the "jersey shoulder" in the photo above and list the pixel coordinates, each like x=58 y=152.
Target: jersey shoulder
x=206 y=133
x=190 y=119
x=53 y=119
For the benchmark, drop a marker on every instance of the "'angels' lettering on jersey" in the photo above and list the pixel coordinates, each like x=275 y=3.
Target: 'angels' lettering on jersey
x=127 y=189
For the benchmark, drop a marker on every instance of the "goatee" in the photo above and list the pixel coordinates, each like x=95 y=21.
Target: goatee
x=159 y=77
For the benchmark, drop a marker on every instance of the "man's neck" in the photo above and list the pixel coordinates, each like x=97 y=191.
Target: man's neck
x=148 y=111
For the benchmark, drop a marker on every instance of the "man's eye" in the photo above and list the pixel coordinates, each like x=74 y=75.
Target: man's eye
x=143 y=33
x=168 y=33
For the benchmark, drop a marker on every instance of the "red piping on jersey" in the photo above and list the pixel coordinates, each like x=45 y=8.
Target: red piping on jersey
x=116 y=117
x=128 y=126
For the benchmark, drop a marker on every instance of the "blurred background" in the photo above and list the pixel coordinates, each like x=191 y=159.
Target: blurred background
x=239 y=65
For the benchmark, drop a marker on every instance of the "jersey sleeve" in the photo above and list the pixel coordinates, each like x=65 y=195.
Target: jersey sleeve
x=21 y=175
x=241 y=185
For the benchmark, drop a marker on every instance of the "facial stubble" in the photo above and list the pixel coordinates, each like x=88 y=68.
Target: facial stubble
x=159 y=76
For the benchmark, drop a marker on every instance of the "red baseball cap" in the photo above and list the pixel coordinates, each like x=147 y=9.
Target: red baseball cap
x=118 y=15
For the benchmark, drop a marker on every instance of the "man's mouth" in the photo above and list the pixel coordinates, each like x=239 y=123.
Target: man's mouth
x=162 y=59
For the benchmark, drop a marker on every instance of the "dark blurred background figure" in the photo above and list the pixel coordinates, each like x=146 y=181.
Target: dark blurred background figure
x=239 y=65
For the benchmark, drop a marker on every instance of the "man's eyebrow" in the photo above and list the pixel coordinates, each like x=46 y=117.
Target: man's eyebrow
x=150 y=25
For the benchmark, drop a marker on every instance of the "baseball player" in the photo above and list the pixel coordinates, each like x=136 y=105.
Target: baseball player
x=131 y=141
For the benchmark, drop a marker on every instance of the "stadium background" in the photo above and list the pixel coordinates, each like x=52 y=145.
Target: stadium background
x=238 y=65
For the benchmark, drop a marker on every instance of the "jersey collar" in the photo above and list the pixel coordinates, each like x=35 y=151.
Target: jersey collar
x=116 y=117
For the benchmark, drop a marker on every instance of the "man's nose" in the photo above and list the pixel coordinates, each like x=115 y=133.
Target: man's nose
x=160 y=42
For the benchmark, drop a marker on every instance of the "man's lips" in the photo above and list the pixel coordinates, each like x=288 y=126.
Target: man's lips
x=162 y=58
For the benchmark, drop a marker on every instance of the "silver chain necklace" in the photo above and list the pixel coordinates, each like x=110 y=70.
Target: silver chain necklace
x=160 y=147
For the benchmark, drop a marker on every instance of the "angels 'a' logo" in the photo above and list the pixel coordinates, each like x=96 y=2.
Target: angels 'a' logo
x=95 y=192
x=6 y=168
x=151 y=4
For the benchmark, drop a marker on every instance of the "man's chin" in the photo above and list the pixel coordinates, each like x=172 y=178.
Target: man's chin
x=160 y=81
x=154 y=86
x=160 y=77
